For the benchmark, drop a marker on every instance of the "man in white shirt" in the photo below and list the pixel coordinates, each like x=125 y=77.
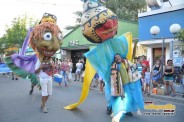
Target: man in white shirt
x=78 y=72
x=42 y=70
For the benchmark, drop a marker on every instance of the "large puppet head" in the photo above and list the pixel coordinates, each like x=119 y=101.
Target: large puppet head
x=46 y=39
x=98 y=23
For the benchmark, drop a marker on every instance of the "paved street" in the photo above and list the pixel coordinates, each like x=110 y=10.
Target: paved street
x=16 y=105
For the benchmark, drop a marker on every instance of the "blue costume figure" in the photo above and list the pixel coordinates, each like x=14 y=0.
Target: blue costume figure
x=122 y=80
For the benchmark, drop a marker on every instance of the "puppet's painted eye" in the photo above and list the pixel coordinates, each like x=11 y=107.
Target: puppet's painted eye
x=47 y=36
x=60 y=36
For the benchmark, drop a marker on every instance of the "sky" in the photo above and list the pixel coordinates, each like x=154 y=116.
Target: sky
x=63 y=9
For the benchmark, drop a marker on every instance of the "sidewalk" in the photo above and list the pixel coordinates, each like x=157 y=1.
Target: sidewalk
x=178 y=98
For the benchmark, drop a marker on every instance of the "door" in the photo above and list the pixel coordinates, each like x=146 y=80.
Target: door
x=76 y=55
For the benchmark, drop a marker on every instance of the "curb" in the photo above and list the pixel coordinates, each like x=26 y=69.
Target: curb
x=168 y=98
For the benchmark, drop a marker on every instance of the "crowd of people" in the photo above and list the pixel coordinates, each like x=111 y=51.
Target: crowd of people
x=154 y=75
x=65 y=68
x=150 y=76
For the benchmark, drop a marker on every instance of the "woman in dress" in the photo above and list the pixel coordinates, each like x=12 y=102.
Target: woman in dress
x=156 y=73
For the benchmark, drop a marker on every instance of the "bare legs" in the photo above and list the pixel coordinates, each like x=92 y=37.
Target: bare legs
x=77 y=76
x=44 y=100
x=172 y=88
x=154 y=84
x=167 y=84
x=147 y=89
x=32 y=87
x=167 y=87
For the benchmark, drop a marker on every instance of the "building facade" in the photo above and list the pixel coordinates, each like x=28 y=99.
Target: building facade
x=163 y=14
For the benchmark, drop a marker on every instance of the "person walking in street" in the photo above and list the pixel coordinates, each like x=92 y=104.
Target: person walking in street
x=125 y=87
x=64 y=71
x=156 y=73
x=168 y=77
x=44 y=71
x=78 y=72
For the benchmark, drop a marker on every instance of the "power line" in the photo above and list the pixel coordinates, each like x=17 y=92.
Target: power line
x=47 y=3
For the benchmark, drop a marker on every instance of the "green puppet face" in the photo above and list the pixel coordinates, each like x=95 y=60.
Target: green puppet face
x=98 y=22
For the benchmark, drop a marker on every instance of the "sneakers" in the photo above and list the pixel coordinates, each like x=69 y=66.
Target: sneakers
x=44 y=109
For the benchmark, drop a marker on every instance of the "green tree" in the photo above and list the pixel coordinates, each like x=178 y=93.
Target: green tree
x=126 y=9
x=15 y=34
x=3 y=46
x=78 y=20
x=180 y=35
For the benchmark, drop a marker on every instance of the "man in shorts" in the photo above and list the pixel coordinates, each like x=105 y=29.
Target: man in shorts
x=45 y=79
x=78 y=72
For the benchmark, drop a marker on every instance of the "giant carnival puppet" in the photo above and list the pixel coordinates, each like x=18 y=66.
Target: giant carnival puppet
x=45 y=39
x=122 y=80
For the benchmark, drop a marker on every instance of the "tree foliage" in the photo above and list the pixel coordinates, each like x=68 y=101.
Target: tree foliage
x=126 y=9
x=15 y=34
x=180 y=35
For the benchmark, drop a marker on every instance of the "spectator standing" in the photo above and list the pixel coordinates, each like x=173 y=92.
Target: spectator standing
x=147 y=81
x=64 y=71
x=156 y=73
x=145 y=64
x=78 y=72
x=139 y=68
x=168 y=77
x=70 y=64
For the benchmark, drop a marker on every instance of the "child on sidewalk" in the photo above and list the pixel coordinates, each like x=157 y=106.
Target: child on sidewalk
x=147 y=81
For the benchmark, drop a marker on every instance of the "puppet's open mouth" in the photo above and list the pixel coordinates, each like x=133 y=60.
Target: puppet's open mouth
x=47 y=53
x=107 y=30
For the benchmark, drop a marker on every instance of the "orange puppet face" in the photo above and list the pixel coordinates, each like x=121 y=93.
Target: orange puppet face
x=46 y=39
x=98 y=23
